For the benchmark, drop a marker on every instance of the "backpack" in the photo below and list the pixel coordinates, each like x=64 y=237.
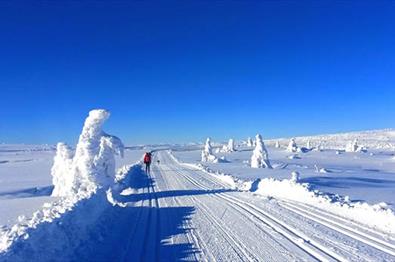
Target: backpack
x=147 y=158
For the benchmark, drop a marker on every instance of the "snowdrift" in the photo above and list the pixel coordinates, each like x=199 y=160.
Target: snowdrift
x=375 y=216
x=81 y=179
x=63 y=227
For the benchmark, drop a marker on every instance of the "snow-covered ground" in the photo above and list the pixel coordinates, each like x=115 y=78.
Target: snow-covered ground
x=326 y=204
x=25 y=178
x=362 y=176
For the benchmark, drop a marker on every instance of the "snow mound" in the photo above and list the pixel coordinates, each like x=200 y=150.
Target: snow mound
x=376 y=216
x=260 y=158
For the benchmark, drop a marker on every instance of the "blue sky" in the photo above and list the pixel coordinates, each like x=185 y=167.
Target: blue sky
x=180 y=71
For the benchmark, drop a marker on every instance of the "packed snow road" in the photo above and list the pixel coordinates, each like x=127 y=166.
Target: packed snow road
x=207 y=221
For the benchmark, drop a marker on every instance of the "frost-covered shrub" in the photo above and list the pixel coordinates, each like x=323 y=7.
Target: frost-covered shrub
x=292 y=147
x=93 y=164
x=260 y=158
x=207 y=153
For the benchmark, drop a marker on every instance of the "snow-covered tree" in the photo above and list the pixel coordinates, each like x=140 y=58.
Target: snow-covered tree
x=249 y=142
x=277 y=145
x=61 y=171
x=295 y=176
x=260 y=158
x=292 y=147
x=207 y=152
x=308 y=144
x=93 y=164
x=230 y=147
x=352 y=146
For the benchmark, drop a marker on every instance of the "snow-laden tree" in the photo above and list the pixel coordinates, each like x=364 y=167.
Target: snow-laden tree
x=292 y=147
x=260 y=158
x=249 y=142
x=61 y=171
x=308 y=144
x=352 y=146
x=230 y=147
x=277 y=145
x=295 y=176
x=207 y=153
x=93 y=164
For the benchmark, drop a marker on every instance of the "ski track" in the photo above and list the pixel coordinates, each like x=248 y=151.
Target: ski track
x=182 y=213
x=320 y=251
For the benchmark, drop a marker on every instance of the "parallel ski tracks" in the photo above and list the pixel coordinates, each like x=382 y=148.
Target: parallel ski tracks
x=310 y=246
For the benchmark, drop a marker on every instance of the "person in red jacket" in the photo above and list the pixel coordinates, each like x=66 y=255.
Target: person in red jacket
x=147 y=161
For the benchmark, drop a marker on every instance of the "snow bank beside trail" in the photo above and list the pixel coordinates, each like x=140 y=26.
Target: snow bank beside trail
x=376 y=216
x=60 y=228
x=76 y=178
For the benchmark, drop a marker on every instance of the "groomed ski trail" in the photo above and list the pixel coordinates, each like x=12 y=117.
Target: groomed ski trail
x=181 y=213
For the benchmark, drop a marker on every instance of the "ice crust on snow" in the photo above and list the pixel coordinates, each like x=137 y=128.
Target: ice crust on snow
x=260 y=157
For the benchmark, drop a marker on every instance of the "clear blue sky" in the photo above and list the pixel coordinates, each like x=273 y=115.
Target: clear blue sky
x=180 y=71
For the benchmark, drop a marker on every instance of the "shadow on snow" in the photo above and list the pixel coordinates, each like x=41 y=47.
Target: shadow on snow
x=94 y=230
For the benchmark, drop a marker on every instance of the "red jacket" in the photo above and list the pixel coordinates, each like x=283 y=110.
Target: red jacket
x=147 y=158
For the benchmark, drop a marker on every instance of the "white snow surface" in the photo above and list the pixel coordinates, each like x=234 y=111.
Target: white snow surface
x=75 y=177
x=187 y=209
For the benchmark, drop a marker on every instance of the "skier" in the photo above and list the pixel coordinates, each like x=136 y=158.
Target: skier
x=147 y=162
